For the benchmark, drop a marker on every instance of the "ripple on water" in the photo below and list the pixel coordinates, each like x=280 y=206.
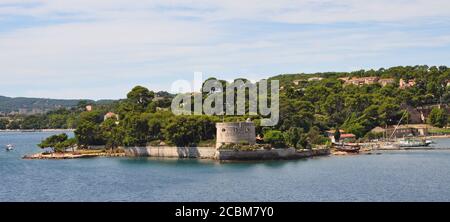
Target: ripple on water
x=392 y=176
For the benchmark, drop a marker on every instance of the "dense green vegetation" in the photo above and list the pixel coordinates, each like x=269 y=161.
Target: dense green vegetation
x=329 y=103
x=57 y=119
x=438 y=117
x=59 y=143
x=141 y=123
x=308 y=108
x=68 y=117
x=8 y=104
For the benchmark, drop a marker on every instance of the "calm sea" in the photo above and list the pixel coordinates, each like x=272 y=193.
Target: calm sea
x=391 y=176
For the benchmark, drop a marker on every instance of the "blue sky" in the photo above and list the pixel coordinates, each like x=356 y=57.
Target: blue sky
x=100 y=49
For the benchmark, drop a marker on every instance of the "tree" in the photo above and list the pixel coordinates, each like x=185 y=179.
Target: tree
x=337 y=134
x=303 y=142
x=95 y=117
x=206 y=127
x=88 y=130
x=140 y=97
x=136 y=129
x=275 y=138
x=292 y=136
x=88 y=133
x=438 y=117
x=58 y=143
x=81 y=106
x=182 y=131
x=33 y=122
x=3 y=123
x=156 y=123
x=57 y=121
x=316 y=137
x=112 y=133
x=68 y=143
x=356 y=124
x=15 y=124
x=389 y=112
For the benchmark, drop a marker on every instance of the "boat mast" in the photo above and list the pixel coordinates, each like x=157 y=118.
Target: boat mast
x=398 y=124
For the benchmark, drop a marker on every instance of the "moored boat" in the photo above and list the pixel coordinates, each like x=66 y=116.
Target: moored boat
x=409 y=142
x=388 y=146
x=349 y=148
x=9 y=147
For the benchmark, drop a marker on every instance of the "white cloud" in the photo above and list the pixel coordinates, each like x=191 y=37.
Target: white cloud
x=295 y=11
x=110 y=43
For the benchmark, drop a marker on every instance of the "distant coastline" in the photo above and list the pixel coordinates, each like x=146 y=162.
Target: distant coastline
x=38 y=130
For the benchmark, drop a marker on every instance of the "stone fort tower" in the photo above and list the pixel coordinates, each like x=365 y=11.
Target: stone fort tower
x=235 y=133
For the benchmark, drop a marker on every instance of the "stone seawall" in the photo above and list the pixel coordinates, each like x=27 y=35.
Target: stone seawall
x=212 y=153
x=273 y=154
x=171 y=152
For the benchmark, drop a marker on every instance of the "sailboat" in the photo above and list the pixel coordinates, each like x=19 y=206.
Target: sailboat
x=408 y=142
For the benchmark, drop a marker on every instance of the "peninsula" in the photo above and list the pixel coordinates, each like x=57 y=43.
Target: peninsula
x=359 y=107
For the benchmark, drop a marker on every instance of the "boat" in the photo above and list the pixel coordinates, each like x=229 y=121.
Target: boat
x=9 y=147
x=409 y=142
x=430 y=141
x=388 y=146
x=349 y=148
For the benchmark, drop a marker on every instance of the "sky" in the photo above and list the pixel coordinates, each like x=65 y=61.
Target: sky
x=96 y=49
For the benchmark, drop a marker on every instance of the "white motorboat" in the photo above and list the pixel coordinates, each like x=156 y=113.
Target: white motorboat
x=414 y=143
x=429 y=141
x=9 y=147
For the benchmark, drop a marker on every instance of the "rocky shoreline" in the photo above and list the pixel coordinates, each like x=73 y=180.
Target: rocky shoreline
x=72 y=155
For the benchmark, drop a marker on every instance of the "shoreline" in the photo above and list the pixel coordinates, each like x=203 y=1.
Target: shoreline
x=232 y=155
x=440 y=136
x=36 y=130
x=168 y=153
x=71 y=155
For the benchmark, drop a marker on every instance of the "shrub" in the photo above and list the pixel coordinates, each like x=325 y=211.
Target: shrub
x=275 y=138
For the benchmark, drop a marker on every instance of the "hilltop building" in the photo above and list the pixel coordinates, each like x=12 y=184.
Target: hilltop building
x=403 y=130
x=406 y=84
x=315 y=79
x=345 y=137
x=110 y=115
x=385 y=82
x=298 y=81
x=366 y=81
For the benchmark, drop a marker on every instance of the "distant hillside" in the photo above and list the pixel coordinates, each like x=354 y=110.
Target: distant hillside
x=27 y=106
x=38 y=105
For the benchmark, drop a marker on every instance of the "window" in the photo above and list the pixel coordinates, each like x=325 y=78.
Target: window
x=223 y=130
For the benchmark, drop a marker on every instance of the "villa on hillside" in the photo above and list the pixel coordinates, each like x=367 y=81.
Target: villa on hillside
x=403 y=84
x=297 y=81
x=366 y=81
x=403 y=130
x=110 y=115
x=315 y=79
x=345 y=137
x=406 y=84
x=385 y=82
